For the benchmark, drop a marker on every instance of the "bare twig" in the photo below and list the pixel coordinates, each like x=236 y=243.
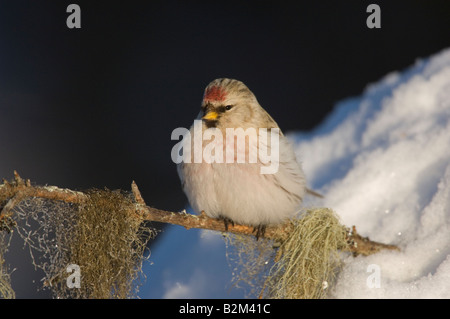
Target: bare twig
x=13 y=193
x=360 y=245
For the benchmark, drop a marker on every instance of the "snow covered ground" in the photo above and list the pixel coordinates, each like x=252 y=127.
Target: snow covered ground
x=382 y=160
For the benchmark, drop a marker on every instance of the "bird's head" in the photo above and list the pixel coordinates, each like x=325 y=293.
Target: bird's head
x=228 y=103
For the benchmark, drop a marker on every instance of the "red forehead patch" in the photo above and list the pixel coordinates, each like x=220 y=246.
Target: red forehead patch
x=215 y=93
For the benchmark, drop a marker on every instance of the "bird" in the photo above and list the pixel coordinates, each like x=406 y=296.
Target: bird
x=234 y=191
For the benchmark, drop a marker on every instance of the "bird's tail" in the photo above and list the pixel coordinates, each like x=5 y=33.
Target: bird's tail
x=313 y=193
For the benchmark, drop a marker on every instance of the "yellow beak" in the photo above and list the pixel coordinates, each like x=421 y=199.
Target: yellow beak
x=211 y=115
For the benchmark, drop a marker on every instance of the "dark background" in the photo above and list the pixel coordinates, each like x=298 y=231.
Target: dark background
x=95 y=107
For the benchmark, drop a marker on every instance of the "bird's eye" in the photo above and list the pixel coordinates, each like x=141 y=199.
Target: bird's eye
x=228 y=107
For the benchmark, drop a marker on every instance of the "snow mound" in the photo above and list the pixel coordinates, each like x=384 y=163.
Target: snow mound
x=382 y=161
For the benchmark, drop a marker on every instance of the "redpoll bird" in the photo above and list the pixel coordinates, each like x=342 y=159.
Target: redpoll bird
x=238 y=191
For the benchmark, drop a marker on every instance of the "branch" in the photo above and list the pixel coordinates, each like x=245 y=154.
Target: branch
x=12 y=193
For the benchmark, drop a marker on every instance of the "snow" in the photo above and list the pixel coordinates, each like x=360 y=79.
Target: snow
x=382 y=161
x=394 y=184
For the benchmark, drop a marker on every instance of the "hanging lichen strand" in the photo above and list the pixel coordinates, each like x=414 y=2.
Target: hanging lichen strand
x=302 y=266
x=98 y=235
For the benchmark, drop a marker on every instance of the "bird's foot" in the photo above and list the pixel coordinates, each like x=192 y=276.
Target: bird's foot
x=226 y=222
x=259 y=231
